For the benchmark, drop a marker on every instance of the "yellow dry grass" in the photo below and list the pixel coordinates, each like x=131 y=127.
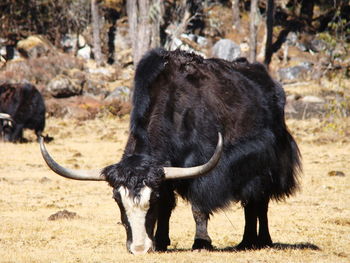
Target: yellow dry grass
x=312 y=226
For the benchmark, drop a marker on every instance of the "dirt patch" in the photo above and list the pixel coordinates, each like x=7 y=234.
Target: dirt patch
x=336 y=173
x=65 y=214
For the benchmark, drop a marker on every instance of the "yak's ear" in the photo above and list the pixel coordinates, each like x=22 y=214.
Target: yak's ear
x=111 y=174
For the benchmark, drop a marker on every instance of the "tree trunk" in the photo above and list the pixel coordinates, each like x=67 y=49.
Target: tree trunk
x=96 y=32
x=156 y=21
x=307 y=11
x=143 y=29
x=236 y=23
x=269 y=30
x=252 y=29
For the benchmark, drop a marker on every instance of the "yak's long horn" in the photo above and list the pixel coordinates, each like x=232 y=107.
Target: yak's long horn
x=190 y=172
x=89 y=175
x=5 y=116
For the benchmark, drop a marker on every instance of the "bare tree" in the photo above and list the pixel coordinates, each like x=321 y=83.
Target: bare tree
x=156 y=15
x=235 y=14
x=51 y=18
x=180 y=21
x=307 y=11
x=143 y=30
x=252 y=30
x=269 y=29
x=96 y=31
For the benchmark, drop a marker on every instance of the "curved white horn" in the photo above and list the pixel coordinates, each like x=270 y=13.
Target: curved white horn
x=89 y=175
x=5 y=116
x=190 y=172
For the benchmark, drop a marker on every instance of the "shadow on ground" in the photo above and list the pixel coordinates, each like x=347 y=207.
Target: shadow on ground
x=277 y=246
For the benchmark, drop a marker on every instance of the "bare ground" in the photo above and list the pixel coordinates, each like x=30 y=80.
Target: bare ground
x=312 y=226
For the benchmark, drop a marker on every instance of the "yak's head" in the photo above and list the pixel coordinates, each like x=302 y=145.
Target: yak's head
x=136 y=181
x=6 y=126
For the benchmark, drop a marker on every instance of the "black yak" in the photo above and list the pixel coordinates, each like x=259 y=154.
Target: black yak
x=21 y=106
x=181 y=102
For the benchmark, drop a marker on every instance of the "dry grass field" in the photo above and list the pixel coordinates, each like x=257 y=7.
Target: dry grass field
x=312 y=226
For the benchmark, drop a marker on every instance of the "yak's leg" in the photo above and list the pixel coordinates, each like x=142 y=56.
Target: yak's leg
x=250 y=236
x=17 y=134
x=38 y=133
x=264 y=239
x=202 y=240
x=252 y=212
x=47 y=138
x=166 y=205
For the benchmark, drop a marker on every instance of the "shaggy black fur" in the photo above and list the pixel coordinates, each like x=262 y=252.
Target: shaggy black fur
x=180 y=102
x=26 y=106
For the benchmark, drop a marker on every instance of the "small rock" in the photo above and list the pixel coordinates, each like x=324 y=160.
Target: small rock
x=118 y=108
x=298 y=107
x=181 y=43
x=120 y=93
x=95 y=87
x=301 y=46
x=226 y=49
x=318 y=45
x=202 y=41
x=107 y=73
x=290 y=73
x=293 y=97
x=312 y=99
x=295 y=73
x=34 y=46
x=307 y=65
x=336 y=173
x=101 y=70
x=63 y=87
x=78 y=154
x=9 y=52
x=85 y=52
x=121 y=40
x=71 y=43
x=44 y=180
x=65 y=214
x=292 y=39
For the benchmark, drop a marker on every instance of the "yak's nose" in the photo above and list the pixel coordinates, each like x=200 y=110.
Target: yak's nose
x=140 y=249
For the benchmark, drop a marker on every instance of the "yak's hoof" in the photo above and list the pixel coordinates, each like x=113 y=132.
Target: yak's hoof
x=161 y=248
x=202 y=244
x=265 y=243
x=247 y=245
x=162 y=245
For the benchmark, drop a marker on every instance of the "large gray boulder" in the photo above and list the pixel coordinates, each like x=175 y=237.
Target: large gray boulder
x=34 y=46
x=76 y=45
x=63 y=87
x=121 y=93
x=295 y=73
x=226 y=49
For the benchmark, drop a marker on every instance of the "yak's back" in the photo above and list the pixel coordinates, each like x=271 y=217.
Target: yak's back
x=237 y=85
